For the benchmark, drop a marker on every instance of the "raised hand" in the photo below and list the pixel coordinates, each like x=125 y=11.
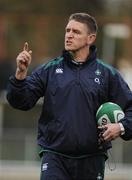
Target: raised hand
x=23 y=61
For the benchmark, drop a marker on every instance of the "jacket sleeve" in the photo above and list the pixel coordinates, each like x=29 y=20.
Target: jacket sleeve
x=23 y=94
x=120 y=93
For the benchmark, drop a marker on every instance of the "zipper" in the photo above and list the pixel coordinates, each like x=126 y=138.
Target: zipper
x=78 y=75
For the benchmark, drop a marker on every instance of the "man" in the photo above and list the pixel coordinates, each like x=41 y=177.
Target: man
x=74 y=85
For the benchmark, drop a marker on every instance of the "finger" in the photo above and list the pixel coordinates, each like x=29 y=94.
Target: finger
x=26 y=58
x=27 y=54
x=100 y=127
x=109 y=138
x=106 y=134
x=21 y=60
x=23 y=56
x=106 y=138
x=25 y=46
x=30 y=52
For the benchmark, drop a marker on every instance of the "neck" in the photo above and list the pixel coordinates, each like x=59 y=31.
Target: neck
x=81 y=55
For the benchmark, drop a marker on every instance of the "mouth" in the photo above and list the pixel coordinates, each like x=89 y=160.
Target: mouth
x=68 y=42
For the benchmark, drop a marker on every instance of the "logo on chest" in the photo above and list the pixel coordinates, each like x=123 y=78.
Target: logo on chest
x=97 y=79
x=59 y=71
x=98 y=72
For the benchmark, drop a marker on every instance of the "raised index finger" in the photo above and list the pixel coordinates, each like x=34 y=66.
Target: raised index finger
x=25 y=48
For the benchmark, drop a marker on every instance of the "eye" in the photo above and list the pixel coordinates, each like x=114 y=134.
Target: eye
x=76 y=31
x=67 y=30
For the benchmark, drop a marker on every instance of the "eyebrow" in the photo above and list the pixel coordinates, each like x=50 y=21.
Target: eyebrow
x=74 y=30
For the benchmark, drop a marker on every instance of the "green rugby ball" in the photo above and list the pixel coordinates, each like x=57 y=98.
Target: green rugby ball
x=109 y=113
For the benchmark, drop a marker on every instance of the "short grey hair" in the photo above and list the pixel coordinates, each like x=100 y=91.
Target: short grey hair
x=86 y=19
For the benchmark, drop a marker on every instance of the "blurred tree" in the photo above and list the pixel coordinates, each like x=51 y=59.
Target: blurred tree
x=118 y=7
x=42 y=23
x=50 y=6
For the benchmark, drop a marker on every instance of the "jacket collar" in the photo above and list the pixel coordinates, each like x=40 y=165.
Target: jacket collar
x=68 y=57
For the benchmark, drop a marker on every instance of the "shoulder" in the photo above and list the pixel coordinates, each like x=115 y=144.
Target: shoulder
x=106 y=67
x=52 y=63
x=43 y=69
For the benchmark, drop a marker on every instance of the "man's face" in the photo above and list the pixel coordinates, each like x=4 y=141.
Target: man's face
x=76 y=36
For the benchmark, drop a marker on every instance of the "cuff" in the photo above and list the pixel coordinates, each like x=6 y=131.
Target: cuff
x=16 y=82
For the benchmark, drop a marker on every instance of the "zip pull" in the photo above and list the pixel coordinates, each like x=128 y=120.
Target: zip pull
x=114 y=163
x=99 y=177
x=78 y=75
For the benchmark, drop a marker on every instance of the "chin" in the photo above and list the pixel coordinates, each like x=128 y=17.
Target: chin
x=69 y=48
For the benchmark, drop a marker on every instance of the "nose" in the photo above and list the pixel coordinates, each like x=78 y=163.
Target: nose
x=69 y=34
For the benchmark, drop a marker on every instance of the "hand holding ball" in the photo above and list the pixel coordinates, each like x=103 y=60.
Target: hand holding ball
x=109 y=113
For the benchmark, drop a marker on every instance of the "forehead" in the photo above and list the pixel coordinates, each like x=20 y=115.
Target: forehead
x=72 y=24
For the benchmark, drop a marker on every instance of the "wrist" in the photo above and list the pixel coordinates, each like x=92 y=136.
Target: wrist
x=122 y=132
x=20 y=75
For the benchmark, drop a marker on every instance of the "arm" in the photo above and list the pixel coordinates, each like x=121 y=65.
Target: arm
x=23 y=91
x=121 y=94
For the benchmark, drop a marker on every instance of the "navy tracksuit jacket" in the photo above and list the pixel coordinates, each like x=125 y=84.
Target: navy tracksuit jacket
x=72 y=94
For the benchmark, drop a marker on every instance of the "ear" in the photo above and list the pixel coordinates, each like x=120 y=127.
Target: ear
x=91 y=38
